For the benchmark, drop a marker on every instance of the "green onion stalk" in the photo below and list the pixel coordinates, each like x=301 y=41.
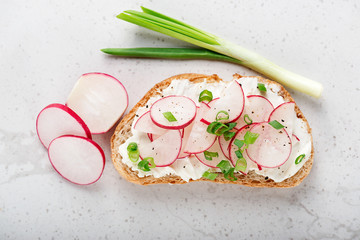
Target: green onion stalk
x=220 y=49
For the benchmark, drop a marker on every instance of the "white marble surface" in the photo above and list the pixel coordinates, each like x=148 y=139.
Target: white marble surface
x=46 y=45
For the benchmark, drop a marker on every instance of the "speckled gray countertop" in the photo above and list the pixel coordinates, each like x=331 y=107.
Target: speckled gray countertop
x=46 y=45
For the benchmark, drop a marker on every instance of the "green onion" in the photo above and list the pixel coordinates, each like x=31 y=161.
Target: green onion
x=219 y=118
x=230 y=175
x=231 y=125
x=217 y=128
x=169 y=116
x=228 y=135
x=275 y=124
x=210 y=155
x=177 y=29
x=227 y=170
x=247 y=119
x=238 y=154
x=241 y=165
x=250 y=137
x=205 y=95
x=261 y=87
x=133 y=152
x=151 y=162
x=299 y=159
x=238 y=143
x=144 y=165
x=210 y=175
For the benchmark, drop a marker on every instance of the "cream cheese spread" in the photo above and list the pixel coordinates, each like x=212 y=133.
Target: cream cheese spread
x=190 y=167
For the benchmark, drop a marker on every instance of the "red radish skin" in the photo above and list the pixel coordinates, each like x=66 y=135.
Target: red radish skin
x=185 y=137
x=145 y=124
x=258 y=108
x=224 y=146
x=77 y=159
x=165 y=149
x=272 y=148
x=56 y=120
x=183 y=109
x=284 y=114
x=99 y=99
x=295 y=137
x=215 y=160
x=150 y=136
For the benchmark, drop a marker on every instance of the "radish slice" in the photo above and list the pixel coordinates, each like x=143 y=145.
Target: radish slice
x=181 y=107
x=199 y=139
x=224 y=146
x=99 y=99
x=272 y=148
x=145 y=124
x=257 y=108
x=232 y=147
x=285 y=114
x=231 y=101
x=56 y=120
x=77 y=159
x=165 y=149
x=215 y=160
x=185 y=137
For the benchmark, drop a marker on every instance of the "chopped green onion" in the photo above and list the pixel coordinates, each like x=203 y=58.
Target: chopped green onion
x=144 y=165
x=132 y=146
x=231 y=125
x=241 y=165
x=151 y=162
x=238 y=154
x=210 y=175
x=261 y=87
x=247 y=119
x=210 y=155
x=230 y=175
x=175 y=28
x=217 y=128
x=250 y=137
x=275 y=124
x=133 y=152
x=239 y=143
x=228 y=135
x=227 y=170
x=299 y=159
x=169 y=116
x=205 y=95
x=226 y=117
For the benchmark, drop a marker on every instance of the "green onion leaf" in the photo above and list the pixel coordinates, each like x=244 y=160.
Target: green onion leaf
x=230 y=175
x=231 y=125
x=299 y=159
x=210 y=155
x=238 y=154
x=219 y=117
x=261 y=87
x=205 y=95
x=239 y=143
x=169 y=116
x=144 y=165
x=241 y=165
x=210 y=175
x=247 y=119
x=151 y=162
x=228 y=135
x=250 y=137
x=224 y=166
x=275 y=124
x=132 y=146
x=217 y=128
x=133 y=152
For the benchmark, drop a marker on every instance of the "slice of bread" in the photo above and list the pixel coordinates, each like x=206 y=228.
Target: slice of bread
x=123 y=132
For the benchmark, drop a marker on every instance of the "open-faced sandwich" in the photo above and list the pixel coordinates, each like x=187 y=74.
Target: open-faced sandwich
x=194 y=127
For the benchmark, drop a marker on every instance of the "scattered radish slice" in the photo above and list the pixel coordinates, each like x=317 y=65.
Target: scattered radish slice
x=145 y=124
x=185 y=137
x=77 y=159
x=181 y=107
x=232 y=147
x=56 y=120
x=285 y=114
x=231 y=101
x=199 y=139
x=99 y=99
x=224 y=146
x=272 y=148
x=165 y=149
x=215 y=160
x=257 y=108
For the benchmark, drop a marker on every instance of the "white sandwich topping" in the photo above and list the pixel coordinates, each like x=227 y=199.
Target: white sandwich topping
x=190 y=167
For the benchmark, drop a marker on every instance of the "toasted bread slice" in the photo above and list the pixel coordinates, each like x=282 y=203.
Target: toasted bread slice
x=123 y=132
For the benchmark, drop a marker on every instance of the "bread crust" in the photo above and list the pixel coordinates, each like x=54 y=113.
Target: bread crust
x=123 y=132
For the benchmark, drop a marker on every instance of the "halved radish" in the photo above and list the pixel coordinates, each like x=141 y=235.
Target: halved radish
x=181 y=107
x=165 y=149
x=232 y=147
x=272 y=148
x=285 y=114
x=145 y=124
x=215 y=160
x=257 y=108
x=77 y=159
x=99 y=99
x=199 y=139
x=56 y=120
x=231 y=101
